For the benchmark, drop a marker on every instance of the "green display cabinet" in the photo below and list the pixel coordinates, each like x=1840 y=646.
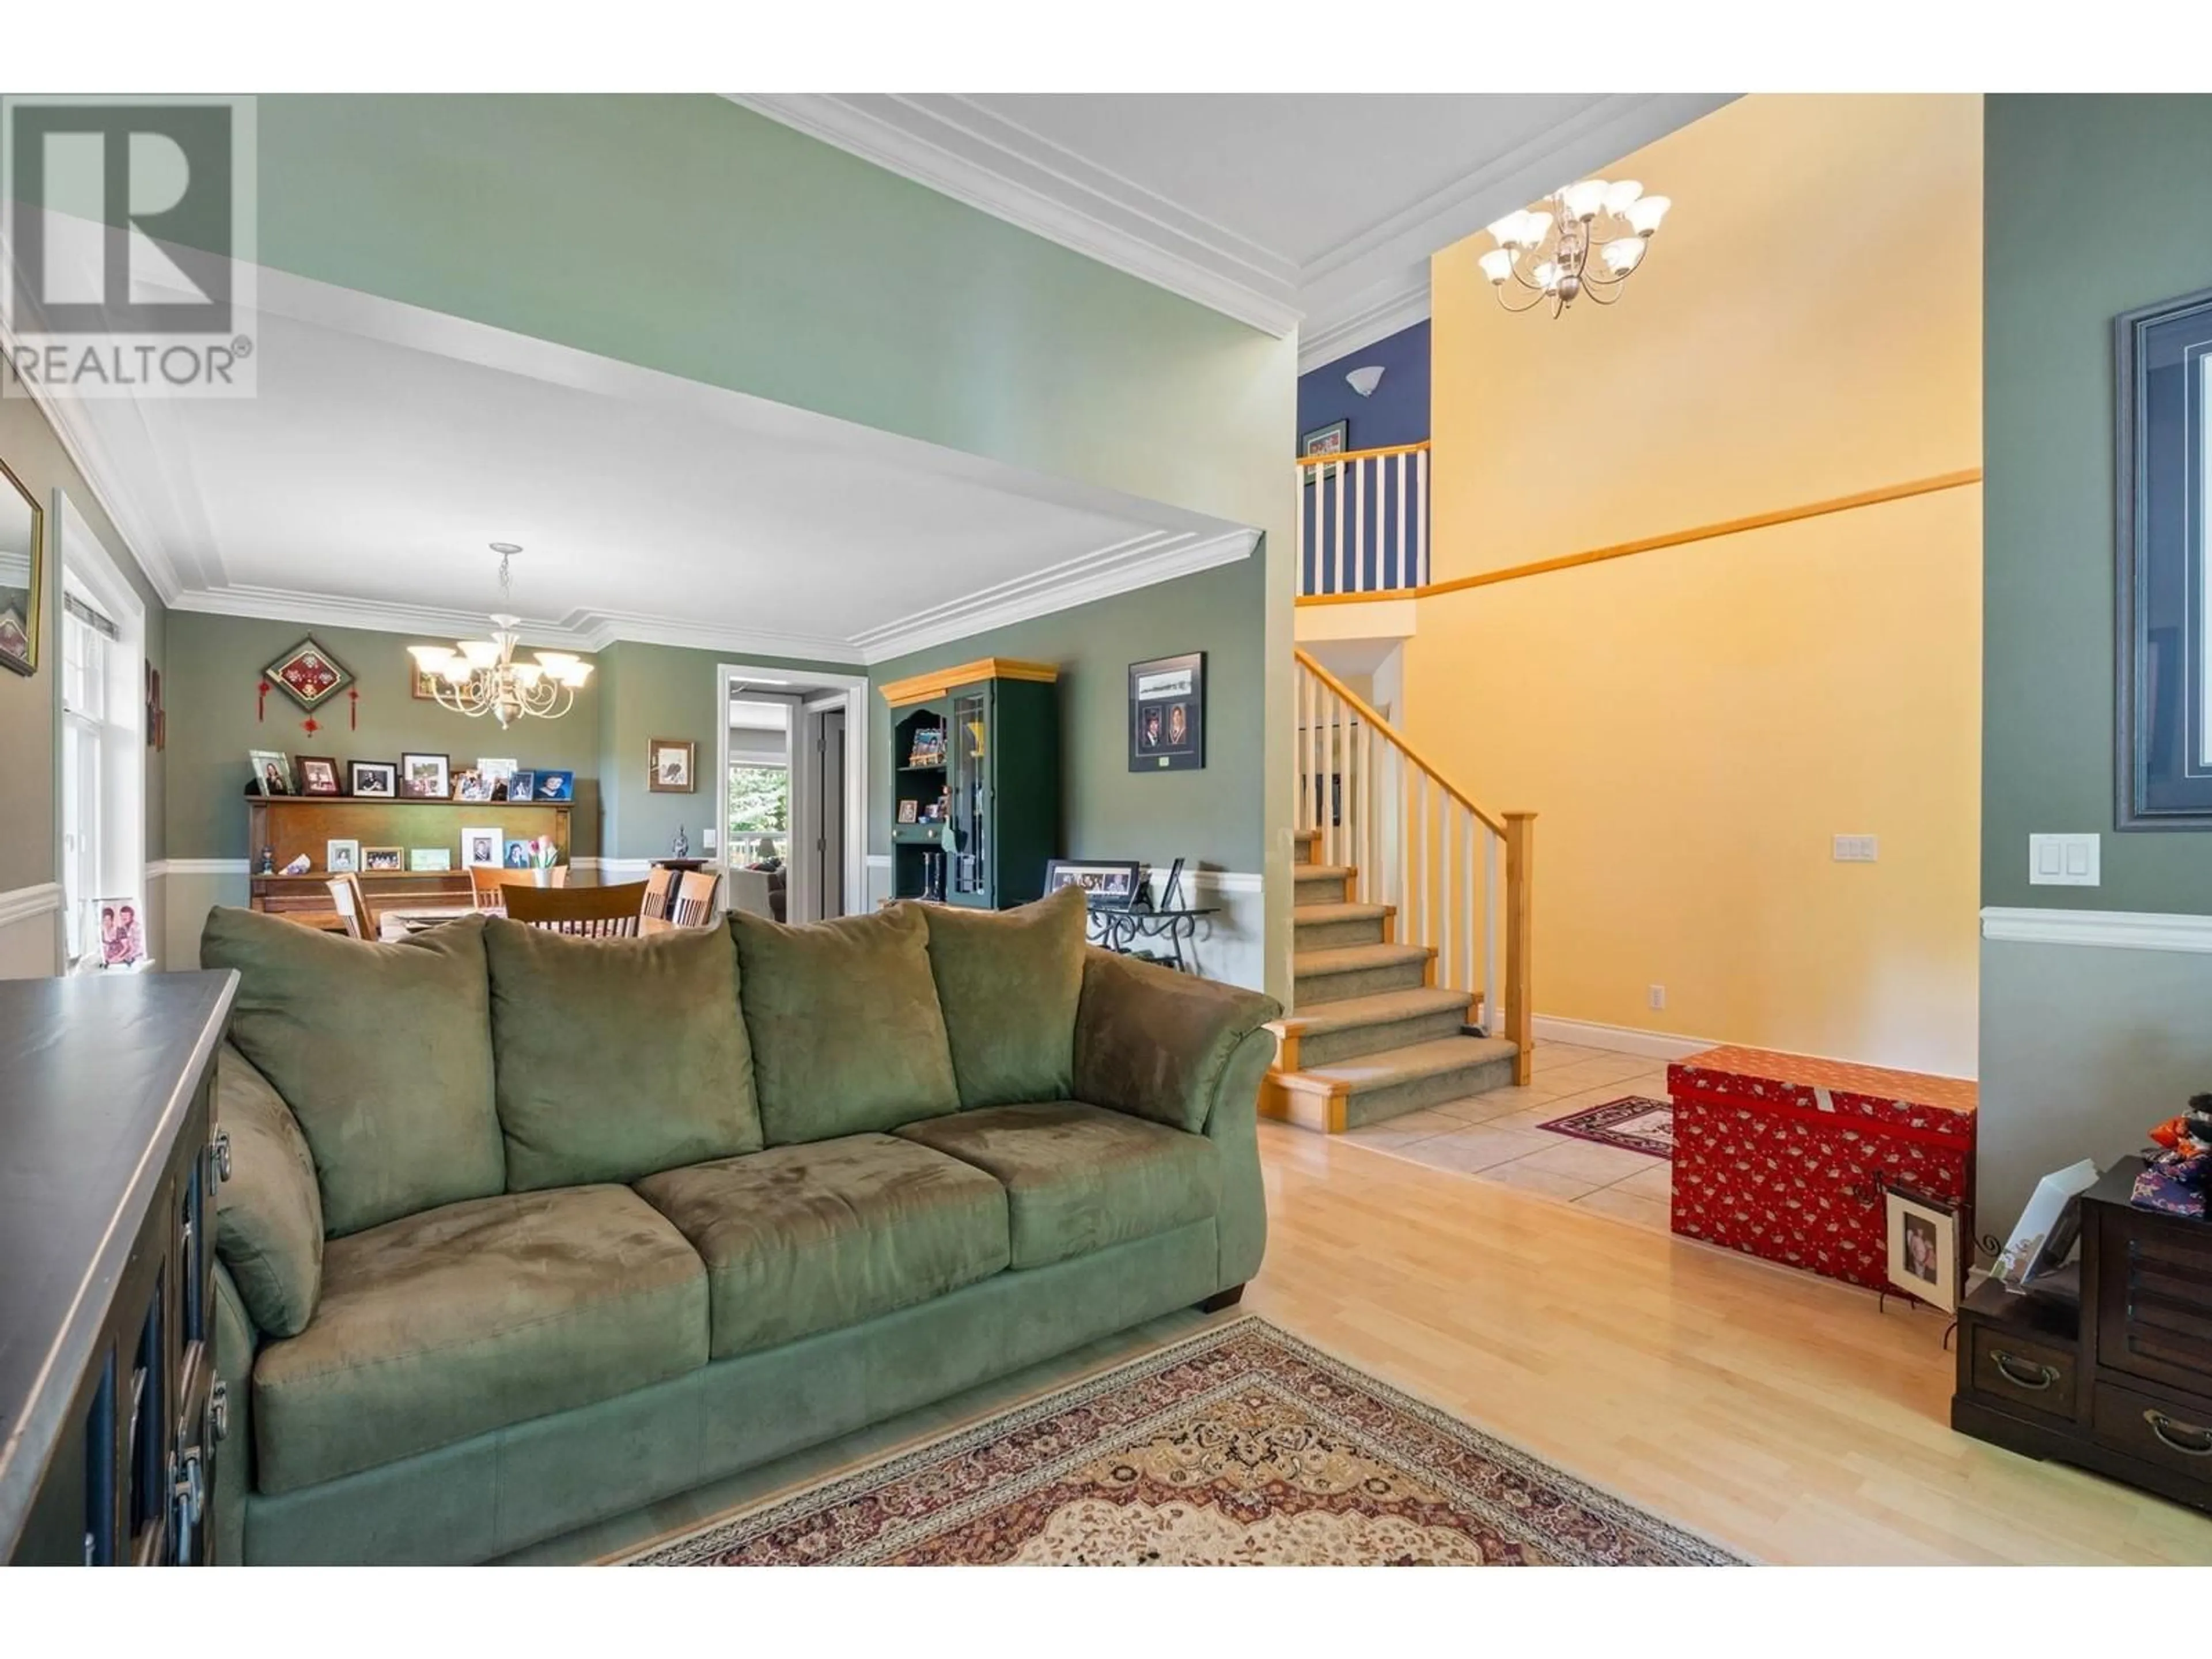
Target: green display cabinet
x=975 y=783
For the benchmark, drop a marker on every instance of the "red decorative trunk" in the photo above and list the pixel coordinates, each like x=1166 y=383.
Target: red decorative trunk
x=1786 y=1155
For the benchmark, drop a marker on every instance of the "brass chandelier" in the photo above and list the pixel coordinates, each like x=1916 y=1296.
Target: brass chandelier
x=480 y=676
x=1545 y=252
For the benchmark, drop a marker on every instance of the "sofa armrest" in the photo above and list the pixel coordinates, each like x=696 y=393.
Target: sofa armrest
x=1157 y=1044
x=269 y=1214
x=236 y=1342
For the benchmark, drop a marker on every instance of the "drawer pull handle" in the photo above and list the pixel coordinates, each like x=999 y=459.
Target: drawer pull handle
x=2160 y=1423
x=2030 y=1376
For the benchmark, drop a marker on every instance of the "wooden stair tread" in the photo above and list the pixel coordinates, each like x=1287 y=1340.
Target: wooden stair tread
x=1392 y=1066
x=1324 y=871
x=1314 y=914
x=1356 y=958
x=1380 y=1009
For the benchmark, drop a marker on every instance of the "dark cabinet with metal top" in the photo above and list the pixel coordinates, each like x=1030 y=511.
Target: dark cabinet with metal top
x=110 y=1416
x=2117 y=1378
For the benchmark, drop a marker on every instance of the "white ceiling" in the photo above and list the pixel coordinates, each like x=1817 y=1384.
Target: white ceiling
x=387 y=447
x=1314 y=211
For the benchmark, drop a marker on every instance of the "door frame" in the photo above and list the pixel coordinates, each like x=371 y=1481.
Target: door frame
x=793 y=682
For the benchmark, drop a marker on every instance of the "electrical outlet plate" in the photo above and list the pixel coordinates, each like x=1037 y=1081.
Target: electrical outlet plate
x=2064 y=860
x=1857 y=849
x=1657 y=996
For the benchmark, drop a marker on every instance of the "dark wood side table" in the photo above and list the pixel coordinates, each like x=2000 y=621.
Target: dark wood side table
x=2116 y=1378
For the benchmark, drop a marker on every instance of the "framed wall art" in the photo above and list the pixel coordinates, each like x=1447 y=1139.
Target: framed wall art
x=1167 y=714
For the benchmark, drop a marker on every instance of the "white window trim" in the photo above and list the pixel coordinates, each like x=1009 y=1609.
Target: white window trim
x=86 y=564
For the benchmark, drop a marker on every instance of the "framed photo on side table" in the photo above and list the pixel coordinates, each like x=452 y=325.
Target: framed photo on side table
x=1922 y=1239
x=1107 y=884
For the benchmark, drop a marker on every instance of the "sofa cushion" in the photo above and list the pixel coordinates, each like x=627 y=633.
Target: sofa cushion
x=383 y=1052
x=617 y=1057
x=1009 y=982
x=269 y=1214
x=1079 y=1178
x=807 y=1238
x=848 y=1037
x=471 y=1317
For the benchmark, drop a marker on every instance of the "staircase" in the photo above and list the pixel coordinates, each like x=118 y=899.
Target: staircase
x=1372 y=1033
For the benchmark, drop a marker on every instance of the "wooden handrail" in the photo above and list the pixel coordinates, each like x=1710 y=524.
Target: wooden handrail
x=1361 y=454
x=1875 y=497
x=1493 y=821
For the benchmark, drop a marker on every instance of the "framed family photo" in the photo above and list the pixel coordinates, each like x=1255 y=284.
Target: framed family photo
x=1167 y=714
x=342 y=857
x=375 y=780
x=272 y=771
x=426 y=777
x=1922 y=1241
x=319 y=775
x=382 y=860
x=1107 y=884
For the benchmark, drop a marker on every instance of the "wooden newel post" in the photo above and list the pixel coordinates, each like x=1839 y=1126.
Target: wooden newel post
x=1520 y=888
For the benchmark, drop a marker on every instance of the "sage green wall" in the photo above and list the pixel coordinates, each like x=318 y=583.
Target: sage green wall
x=2092 y=206
x=30 y=709
x=1211 y=816
x=652 y=691
x=2067 y=177
x=214 y=665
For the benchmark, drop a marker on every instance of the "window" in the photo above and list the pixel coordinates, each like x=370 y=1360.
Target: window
x=760 y=810
x=103 y=762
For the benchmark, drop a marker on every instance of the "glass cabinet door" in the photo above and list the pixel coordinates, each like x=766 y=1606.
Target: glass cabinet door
x=969 y=744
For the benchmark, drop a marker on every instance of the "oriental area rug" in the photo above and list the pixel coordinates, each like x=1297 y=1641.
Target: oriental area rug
x=1636 y=1121
x=1239 y=1446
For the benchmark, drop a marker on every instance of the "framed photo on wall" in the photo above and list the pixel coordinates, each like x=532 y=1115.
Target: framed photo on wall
x=670 y=767
x=1331 y=439
x=1167 y=714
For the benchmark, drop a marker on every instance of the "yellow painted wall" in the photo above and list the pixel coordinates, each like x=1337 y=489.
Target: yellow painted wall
x=1695 y=724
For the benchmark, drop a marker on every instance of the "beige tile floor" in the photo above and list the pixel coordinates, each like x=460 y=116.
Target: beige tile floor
x=1496 y=1137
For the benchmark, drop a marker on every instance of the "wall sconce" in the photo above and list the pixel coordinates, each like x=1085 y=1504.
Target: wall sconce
x=1364 y=380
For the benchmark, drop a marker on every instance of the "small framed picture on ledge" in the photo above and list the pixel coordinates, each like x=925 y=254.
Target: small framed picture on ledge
x=1922 y=1238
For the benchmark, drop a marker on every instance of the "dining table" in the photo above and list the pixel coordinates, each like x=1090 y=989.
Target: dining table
x=403 y=921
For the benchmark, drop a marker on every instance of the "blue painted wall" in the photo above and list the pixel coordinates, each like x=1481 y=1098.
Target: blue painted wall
x=1398 y=413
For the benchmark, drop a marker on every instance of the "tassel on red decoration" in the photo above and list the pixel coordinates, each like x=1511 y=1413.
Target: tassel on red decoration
x=353 y=712
x=261 y=706
x=311 y=726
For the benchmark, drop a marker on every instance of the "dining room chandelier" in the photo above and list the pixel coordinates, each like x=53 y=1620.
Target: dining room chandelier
x=1587 y=239
x=480 y=676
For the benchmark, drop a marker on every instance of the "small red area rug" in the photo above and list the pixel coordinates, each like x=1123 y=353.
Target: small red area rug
x=1636 y=1121
x=1238 y=1446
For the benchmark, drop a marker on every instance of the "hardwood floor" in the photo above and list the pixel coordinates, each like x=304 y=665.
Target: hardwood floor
x=1781 y=1415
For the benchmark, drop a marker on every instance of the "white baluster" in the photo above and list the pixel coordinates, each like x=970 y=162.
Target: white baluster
x=1490 y=921
x=1359 y=471
x=1421 y=863
x=1304 y=586
x=1444 y=895
x=1467 y=901
x=1340 y=527
x=1402 y=578
x=1421 y=517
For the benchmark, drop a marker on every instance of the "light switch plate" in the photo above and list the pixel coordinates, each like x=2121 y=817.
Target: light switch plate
x=1857 y=849
x=2063 y=860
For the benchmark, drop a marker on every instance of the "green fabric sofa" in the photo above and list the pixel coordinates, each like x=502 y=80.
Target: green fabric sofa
x=524 y=1230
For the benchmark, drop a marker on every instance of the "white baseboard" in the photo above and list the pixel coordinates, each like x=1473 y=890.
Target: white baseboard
x=1622 y=1039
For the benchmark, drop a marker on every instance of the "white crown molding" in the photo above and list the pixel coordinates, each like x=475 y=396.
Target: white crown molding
x=1121 y=569
x=27 y=904
x=1619 y=1039
x=960 y=149
x=1397 y=307
x=2113 y=930
x=964 y=150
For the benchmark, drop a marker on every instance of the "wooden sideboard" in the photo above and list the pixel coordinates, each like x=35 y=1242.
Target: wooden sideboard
x=296 y=824
x=110 y=1417
x=2112 y=1371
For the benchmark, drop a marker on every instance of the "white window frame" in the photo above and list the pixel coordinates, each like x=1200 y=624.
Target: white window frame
x=119 y=863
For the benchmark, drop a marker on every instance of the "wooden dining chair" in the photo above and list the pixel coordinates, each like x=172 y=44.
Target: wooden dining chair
x=695 y=898
x=656 y=884
x=487 y=886
x=588 y=912
x=352 y=905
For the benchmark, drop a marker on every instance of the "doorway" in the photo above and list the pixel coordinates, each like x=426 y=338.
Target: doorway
x=794 y=791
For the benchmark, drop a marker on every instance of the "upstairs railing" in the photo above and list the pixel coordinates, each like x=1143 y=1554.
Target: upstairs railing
x=1364 y=520
x=1460 y=877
